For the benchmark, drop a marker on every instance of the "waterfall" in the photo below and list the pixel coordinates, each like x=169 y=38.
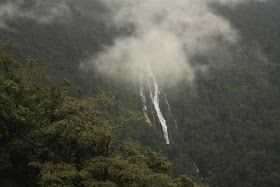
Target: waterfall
x=154 y=93
x=176 y=124
x=197 y=170
x=166 y=101
x=143 y=98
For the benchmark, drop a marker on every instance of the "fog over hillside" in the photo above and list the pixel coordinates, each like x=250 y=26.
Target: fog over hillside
x=195 y=80
x=168 y=33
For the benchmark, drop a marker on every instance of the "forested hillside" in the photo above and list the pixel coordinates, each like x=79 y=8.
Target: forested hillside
x=51 y=139
x=231 y=120
x=228 y=115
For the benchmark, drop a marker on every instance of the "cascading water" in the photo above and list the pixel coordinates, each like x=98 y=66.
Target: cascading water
x=154 y=93
x=150 y=94
x=143 y=98
x=166 y=101
x=197 y=170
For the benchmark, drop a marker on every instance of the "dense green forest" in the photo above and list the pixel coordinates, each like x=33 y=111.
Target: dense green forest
x=57 y=133
x=231 y=122
x=51 y=139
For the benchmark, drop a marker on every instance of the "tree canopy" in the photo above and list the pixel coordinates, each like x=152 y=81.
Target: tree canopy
x=51 y=139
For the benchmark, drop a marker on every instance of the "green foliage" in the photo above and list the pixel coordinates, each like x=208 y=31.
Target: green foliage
x=51 y=139
x=228 y=118
x=22 y=110
x=57 y=174
x=156 y=162
x=184 y=181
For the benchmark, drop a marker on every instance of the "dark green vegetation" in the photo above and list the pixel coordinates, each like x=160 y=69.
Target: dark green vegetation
x=231 y=122
x=51 y=139
x=229 y=118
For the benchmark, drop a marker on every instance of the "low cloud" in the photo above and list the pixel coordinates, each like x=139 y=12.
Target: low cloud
x=39 y=10
x=167 y=33
x=234 y=2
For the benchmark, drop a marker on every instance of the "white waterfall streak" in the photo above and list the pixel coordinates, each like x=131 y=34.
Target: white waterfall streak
x=176 y=124
x=147 y=77
x=169 y=108
x=197 y=170
x=155 y=100
x=166 y=100
x=143 y=98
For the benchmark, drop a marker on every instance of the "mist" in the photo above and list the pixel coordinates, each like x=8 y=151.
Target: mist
x=44 y=12
x=167 y=32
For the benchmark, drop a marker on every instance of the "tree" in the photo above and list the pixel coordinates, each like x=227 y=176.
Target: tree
x=51 y=139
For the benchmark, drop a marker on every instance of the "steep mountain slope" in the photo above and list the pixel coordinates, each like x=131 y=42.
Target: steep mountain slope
x=228 y=117
x=231 y=120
